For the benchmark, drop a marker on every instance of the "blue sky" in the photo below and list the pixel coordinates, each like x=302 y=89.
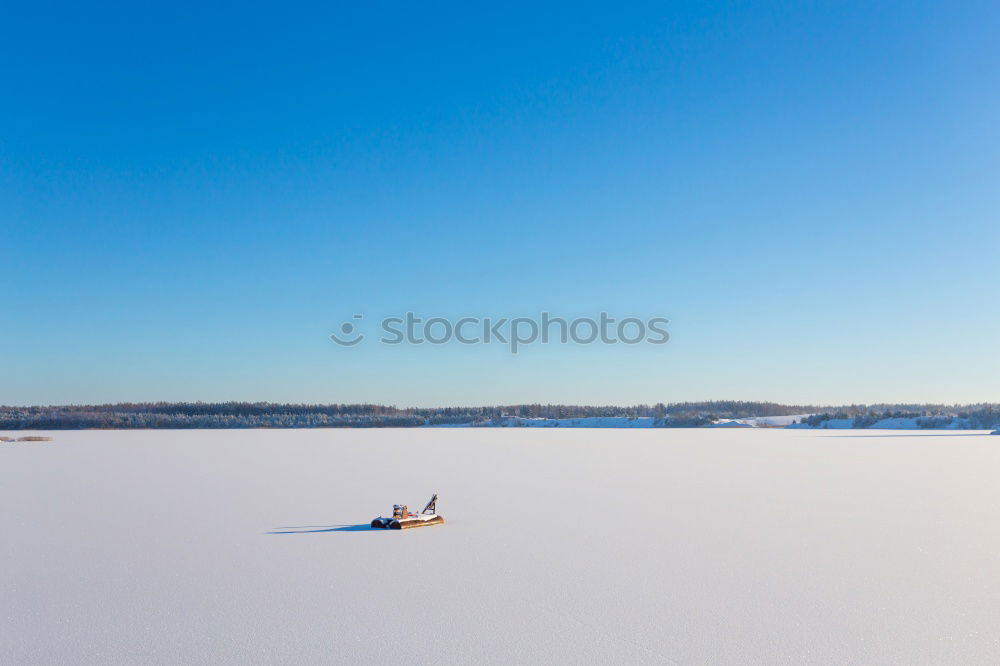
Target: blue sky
x=193 y=198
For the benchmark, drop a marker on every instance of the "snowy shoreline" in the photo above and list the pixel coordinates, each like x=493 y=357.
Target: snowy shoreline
x=790 y=422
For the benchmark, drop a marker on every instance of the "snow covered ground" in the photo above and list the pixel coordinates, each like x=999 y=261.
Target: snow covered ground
x=760 y=421
x=738 y=545
x=829 y=424
x=584 y=422
x=789 y=421
x=621 y=422
x=895 y=423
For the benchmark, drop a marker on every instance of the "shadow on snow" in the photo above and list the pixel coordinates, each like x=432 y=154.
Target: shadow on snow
x=313 y=529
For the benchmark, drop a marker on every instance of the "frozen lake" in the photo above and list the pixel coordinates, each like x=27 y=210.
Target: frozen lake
x=579 y=546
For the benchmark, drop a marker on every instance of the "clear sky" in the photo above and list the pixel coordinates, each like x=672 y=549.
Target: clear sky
x=194 y=196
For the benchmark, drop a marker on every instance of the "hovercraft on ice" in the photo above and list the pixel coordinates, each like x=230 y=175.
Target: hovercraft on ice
x=402 y=519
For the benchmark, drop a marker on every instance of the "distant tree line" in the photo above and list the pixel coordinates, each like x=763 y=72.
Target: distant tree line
x=983 y=416
x=273 y=415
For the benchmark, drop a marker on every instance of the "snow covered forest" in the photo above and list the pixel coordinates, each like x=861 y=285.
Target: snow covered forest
x=274 y=415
